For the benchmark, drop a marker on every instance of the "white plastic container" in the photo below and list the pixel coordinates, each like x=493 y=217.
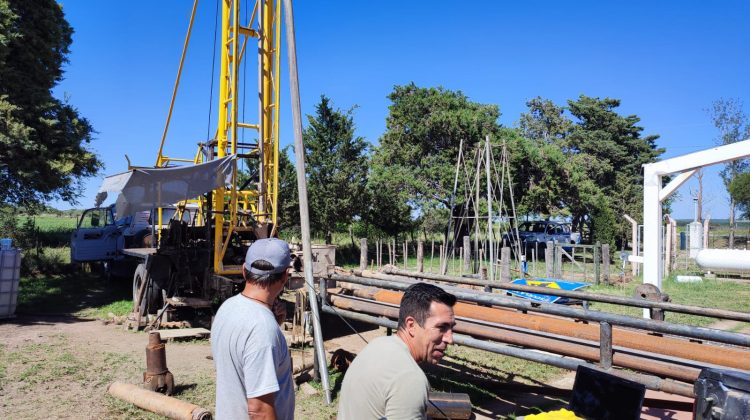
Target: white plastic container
x=10 y=274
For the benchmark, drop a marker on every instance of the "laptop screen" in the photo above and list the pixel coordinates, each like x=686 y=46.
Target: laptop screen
x=598 y=395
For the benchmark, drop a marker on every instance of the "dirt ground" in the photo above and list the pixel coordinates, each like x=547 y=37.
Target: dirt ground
x=60 y=367
x=56 y=366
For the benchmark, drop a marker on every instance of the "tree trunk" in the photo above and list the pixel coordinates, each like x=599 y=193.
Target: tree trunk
x=351 y=235
x=329 y=237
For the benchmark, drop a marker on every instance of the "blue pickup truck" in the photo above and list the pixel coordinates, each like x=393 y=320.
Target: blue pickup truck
x=535 y=235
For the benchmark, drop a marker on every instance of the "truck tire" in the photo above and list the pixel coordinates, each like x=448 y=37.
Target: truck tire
x=151 y=301
x=143 y=239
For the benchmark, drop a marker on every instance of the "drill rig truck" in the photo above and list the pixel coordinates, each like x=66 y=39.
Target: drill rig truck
x=194 y=259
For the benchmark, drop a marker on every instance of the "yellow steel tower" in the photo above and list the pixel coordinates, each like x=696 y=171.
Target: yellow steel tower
x=238 y=211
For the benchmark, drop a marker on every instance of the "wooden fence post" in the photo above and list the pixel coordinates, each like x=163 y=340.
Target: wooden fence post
x=605 y=263
x=443 y=260
x=597 y=262
x=467 y=254
x=363 y=253
x=406 y=252
x=420 y=256
x=549 y=260
x=558 y=260
x=432 y=254
x=505 y=264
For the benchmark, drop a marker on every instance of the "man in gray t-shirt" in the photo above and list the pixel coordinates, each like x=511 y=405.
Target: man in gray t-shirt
x=253 y=367
x=385 y=381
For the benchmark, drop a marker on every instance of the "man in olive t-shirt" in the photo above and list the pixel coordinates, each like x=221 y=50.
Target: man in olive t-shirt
x=385 y=380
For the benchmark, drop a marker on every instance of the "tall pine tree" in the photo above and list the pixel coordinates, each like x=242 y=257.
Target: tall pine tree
x=336 y=162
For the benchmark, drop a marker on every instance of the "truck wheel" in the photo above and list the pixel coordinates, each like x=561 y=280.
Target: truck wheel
x=143 y=239
x=151 y=301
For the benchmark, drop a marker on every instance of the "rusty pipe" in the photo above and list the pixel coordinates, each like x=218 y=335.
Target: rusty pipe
x=493 y=299
x=158 y=403
x=650 y=381
x=669 y=370
x=448 y=405
x=157 y=376
x=303 y=368
x=706 y=353
x=394 y=273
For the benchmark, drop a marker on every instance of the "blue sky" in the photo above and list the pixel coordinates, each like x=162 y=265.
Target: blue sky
x=667 y=61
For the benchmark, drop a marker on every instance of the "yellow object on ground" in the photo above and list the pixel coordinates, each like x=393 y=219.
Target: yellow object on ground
x=561 y=414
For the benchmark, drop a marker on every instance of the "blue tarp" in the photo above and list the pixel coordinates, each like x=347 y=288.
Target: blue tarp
x=550 y=283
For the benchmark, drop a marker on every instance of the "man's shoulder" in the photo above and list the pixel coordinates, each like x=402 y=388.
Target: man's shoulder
x=388 y=351
x=390 y=343
x=236 y=312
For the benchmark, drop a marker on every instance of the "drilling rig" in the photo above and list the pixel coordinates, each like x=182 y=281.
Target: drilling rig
x=194 y=258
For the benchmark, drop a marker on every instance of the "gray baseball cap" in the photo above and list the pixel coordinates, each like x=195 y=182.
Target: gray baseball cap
x=272 y=250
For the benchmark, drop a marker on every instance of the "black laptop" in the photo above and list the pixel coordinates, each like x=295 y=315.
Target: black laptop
x=602 y=396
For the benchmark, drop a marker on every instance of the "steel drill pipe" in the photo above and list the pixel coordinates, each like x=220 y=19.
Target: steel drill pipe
x=560 y=310
x=158 y=403
x=711 y=354
x=594 y=297
x=465 y=326
x=651 y=382
x=356 y=294
x=447 y=405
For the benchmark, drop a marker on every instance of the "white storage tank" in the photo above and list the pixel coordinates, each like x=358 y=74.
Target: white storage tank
x=724 y=260
x=10 y=274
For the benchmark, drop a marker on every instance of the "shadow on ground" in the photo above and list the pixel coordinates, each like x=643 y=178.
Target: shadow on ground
x=69 y=293
x=493 y=395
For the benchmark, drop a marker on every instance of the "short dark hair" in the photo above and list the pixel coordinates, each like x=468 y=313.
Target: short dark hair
x=417 y=300
x=263 y=280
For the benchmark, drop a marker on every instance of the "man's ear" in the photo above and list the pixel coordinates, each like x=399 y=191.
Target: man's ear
x=411 y=325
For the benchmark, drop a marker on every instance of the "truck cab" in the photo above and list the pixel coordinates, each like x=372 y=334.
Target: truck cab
x=97 y=237
x=100 y=237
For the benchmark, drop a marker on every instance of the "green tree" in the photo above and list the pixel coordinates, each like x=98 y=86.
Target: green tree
x=416 y=157
x=579 y=166
x=288 y=200
x=739 y=190
x=731 y=121
x=337 y=166
x=545 y=122
x=44 y=139
x=613 y=151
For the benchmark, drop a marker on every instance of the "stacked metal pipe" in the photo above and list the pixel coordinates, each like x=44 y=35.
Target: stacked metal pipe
x=667 y=357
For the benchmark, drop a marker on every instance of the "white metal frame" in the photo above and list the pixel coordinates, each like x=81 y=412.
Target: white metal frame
x=654 y=194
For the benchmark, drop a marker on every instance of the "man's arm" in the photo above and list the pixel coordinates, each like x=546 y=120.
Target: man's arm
x=261 y=408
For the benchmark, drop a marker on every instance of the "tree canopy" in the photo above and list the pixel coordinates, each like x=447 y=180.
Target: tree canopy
x=731 y=121
x=336 y=164
x=418 y=151
x=288 y=202
x=44 y=139
x=588 y=164
x=739 y=190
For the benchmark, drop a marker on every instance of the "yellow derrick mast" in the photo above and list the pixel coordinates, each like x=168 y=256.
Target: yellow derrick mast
x=247 y=213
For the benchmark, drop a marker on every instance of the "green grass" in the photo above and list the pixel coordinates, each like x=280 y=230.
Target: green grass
x=708 y=293
x=51 y=222
x=50 y=230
